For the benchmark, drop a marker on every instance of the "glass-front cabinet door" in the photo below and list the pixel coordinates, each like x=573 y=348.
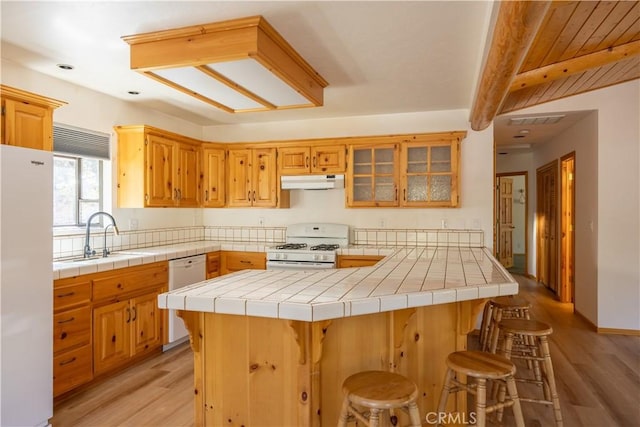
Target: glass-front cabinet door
x=429 y=174
x=373 y=176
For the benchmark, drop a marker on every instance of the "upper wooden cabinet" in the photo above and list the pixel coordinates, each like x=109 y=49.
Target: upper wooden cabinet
x=372 y=178
x=213 y=176
x=326 y=159
x=157 y=168
x=252 y=178
x=413 y=171
x=429 y=173
x=27 y=119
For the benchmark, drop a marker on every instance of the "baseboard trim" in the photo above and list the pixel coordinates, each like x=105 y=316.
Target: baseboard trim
x=591 y=325
x=616 y=331
x=607 y=331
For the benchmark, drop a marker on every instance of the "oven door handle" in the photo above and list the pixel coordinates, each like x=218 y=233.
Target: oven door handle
x=293 y=265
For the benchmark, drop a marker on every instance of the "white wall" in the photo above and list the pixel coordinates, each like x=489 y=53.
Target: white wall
x=475 y=210
x=518 y=215
x=607 y=149
x=98 y=112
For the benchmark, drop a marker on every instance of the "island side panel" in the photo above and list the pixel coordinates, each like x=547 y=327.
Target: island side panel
x=252 y=373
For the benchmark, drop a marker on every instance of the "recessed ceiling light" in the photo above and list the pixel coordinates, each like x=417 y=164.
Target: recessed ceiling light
x=65 y=66
x=133 y=92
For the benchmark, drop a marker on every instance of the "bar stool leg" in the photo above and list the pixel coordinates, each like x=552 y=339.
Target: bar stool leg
x=374 y=418
x=446 y=390
x=548 y=369
x=494 y=330
x=414 y=415
x=344 y=413
x=484 y=327
x=517 y=409
x=481 y=402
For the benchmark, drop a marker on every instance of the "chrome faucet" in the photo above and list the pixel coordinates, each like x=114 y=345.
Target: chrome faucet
x=88 y=252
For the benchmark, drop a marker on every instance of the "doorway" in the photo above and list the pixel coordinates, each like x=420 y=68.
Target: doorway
x=511 y=221
x=546 y=225
x=567 y=226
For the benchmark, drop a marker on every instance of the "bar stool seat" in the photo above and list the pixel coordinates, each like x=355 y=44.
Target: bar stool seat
x=535 y=350
x=482 y=366
x=378 y=391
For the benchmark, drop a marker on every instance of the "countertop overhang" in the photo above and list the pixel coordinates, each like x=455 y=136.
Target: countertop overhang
x=407 y=277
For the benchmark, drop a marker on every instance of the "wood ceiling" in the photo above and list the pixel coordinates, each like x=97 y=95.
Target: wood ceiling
x=542 y=51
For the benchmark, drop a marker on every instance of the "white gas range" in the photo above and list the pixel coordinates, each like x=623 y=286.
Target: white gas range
x=309 y=246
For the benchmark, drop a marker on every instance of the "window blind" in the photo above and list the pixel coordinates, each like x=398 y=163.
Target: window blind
x=80 y=142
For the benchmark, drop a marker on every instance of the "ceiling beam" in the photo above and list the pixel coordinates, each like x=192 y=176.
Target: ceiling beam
x=576 y=65
x=516 y=27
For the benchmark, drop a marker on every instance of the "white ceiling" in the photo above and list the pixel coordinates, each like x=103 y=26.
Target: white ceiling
x=379 y=57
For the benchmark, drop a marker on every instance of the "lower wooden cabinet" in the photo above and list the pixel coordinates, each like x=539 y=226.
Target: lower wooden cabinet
x=103 y=321
x=125 y=329
x=346 y=261
x=213 y=265
x=231 y=261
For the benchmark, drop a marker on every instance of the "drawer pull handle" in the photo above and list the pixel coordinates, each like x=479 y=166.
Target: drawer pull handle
x=67 y=320
x=135 y=314
x=68 y=294
x=66 y=362
x=245 y=262
x=128 y=318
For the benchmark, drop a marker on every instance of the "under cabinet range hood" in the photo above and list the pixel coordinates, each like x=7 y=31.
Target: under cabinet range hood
x=311 y=182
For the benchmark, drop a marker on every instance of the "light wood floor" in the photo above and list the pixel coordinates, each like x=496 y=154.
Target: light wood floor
x=598 y=380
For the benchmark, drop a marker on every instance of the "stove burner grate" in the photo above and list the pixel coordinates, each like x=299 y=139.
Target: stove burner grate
x=324 y=247
x=292 y=246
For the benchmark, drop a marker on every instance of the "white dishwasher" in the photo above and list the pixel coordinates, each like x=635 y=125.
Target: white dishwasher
x=183 y=272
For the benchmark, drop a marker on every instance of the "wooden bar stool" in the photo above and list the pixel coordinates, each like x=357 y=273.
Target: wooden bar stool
x=367 y=394
x=506 y=307
x=534 y=349
x=482 y=366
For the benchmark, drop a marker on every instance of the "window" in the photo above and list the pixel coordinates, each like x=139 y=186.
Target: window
x=77 y=189
x=77 y=174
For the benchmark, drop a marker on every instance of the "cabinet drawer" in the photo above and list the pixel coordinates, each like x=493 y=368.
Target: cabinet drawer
x=245 y=260
x=71 y=328
x=71 y=369
x=67 y=296
x=113 y=287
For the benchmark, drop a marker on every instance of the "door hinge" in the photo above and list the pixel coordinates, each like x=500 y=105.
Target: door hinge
x=3 y=111
x=146 y=141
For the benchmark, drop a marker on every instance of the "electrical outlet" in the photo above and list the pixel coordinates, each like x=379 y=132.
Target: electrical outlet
x=261 y=221
x=133 y=224
x=444 y=223
x=382 y=223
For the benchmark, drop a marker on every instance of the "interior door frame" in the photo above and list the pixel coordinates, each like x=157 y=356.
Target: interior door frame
x=526 y=213
x=567 y=246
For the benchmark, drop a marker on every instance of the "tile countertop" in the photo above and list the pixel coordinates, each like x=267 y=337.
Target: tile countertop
x=129 y=258
x=406 y=277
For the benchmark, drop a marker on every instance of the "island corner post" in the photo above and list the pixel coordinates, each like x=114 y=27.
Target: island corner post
x=259 y=371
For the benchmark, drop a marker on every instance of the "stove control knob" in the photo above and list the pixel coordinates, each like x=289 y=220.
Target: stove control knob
x=284 y=256
x=316 y=257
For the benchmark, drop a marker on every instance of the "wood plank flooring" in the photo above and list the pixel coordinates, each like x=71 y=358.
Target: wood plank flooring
x=598 y=380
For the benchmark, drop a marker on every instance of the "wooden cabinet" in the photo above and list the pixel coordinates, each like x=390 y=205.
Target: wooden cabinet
x=126 y=329
x=429 y=173
x=213 y=176
x=346 y=261
x=372 y=177
x=231 y=261
x=252 y=178
x=72 y=362
x=157 y=168
x=213 y=265
x=415 y=171
x=27 y=119
x=327 y=159
x=104 y=321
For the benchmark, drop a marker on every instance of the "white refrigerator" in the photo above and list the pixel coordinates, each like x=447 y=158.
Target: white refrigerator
x=26 y=286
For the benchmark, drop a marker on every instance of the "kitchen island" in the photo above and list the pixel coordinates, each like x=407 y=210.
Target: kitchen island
x=273 y=347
